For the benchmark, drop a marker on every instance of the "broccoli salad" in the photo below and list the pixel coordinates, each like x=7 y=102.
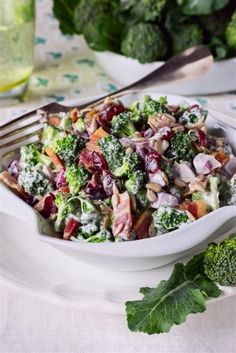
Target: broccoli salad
x=116 y=173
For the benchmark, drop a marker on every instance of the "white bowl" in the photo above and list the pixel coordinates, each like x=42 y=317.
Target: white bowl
x=140 y=254
x=220 y=78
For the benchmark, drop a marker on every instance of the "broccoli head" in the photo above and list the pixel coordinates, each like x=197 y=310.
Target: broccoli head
x=135 y=182
x=181 y=148
x=112 y=151
x=34 y=182
x=122 y=126
x=98 y=21
x=76 y=178
x=167 y=219
x=142 y=110
x=220 y=262
x=230 y=33
x=193 y=116
x=145 y=42
x=130 y=164
x=50 y=134
x=32 y=156
x=211 y=197
x=80 y=125
x=185 y=36
x=141 y=198
x=66 y=207
x=67 y=148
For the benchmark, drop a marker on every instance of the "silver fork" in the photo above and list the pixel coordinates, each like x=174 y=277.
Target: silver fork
x=25 y=129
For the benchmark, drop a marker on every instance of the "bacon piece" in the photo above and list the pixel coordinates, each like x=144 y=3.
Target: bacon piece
x=74 y=115
x=142 y=224
x=70 y=228
x=46 y=206
x=92 y=145
x=54 y=157
x=221 y=157
x=197 y=208
x=54 y=120
x=12 y=184
x=122 y=222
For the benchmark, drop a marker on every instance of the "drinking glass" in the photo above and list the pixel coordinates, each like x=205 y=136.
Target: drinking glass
x=17 y=24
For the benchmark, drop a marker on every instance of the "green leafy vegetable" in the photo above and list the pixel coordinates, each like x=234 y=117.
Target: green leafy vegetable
x=64 y=12
x=167 y=304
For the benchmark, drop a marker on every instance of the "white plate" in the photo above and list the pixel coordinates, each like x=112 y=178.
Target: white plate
x=220 y=78
x=39 y=269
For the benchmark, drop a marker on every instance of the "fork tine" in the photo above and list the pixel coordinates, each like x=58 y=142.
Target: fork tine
x=51 y=107
x=13 y=150
x=20 y=129
x=23 y=138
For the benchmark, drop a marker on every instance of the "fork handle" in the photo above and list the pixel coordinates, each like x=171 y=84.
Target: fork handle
x=186 y=65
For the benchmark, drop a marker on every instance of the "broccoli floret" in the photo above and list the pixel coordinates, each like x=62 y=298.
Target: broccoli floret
x=142 y=110
x=193 y=116
x=50 y=134
x=32 y=156
x=142 y=199
x=67 y=148
x=76 y=178
x=210 y=197
x=130 y=164
x=135 y=182
x=113 y=151
x=145 y=42
x=220 y=262
x=167 y=219
x=181 y=148
x=101 y=237
x=34 y=182
x=80 y=125
x=66 y=122
x=122 y=126
x=230 y=33
x=143 y=10
x=98 y=21
x=185 y=36
x=67 y=206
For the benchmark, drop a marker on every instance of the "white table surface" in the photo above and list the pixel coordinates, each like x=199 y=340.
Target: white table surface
x=29 y=324
x=32 y=325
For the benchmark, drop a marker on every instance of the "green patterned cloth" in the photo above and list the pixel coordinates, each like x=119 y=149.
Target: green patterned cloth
x=66 y=69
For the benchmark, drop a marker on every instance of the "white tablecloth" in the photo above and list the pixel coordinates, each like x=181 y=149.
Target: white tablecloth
x=32 y=325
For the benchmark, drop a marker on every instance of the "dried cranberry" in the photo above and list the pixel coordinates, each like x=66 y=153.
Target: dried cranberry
x=201 y=136
x=167 y=135
x=95 y=189
x=99 y=162
x=47 y=207
x=108 y=111
x=93 y=161
x=71 y=228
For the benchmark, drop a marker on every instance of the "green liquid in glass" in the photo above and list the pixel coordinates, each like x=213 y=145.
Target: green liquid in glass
x=16 y=42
